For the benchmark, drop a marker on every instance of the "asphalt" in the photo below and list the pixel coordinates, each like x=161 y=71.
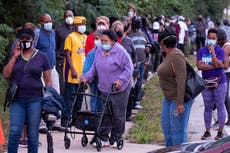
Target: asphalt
x=195 y=131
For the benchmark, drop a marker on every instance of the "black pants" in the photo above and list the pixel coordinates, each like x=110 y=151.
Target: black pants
x=200 y=42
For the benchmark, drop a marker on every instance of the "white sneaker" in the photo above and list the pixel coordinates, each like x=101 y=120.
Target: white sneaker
x=138 y=107
x=105 y=143
x=114 y=145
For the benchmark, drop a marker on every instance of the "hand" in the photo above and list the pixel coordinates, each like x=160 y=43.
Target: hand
x=17 y=50
x=211 y=49
x=117 y=84
x=180 y=108
x=83 y=80
x=74 y=74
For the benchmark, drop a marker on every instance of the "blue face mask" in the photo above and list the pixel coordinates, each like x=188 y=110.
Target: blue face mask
x=48 y=26
x=211 y=42
x=106 y=47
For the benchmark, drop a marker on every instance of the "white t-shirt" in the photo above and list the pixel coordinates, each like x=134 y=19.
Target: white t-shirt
x=183 y=29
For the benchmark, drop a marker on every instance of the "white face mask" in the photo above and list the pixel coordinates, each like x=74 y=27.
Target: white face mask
x=81 y=29
x=101 y=27
x=69 y=20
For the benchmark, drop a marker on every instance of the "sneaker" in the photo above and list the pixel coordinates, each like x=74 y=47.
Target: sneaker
x=138 y=107
x=23 y=143
x=105 y=144
x=219 y=135
x=43 y=130
x=206 y=135
x=114 y=145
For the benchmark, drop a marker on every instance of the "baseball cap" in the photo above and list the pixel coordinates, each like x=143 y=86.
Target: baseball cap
x=25 y=32
x=156 y=26
x=79 y=19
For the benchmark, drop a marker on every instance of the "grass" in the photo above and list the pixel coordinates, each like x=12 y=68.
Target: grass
x=147 y=128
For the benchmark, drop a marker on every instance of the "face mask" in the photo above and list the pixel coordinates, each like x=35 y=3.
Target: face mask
x=69 y=20
x=48 y=26
x=101 y=27
x=119 y=34
x=97 y=42
x=211 y=42
x=81 y=29
x=106 y=47
x=25 y=44
x=166 y=24
x=130 y=14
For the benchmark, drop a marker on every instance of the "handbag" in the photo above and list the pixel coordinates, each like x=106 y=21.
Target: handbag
x=12 y=90
x=194 y=83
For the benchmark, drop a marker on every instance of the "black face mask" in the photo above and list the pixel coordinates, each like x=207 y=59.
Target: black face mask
x=119 y=34
x=25 y=44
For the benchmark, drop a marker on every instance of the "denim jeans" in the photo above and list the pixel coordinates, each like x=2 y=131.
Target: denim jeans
x=95 y=103
x=141 y=74
x=25 y=111
x=174 y=125
x=211 y=97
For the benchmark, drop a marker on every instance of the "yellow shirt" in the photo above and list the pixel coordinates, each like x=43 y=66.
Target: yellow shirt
x=75 y=44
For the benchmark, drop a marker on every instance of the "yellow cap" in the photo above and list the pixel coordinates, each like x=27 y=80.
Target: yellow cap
x=79 y=19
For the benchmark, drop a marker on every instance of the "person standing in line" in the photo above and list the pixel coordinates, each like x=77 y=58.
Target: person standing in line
x=122 y=29
x=200 y=26
x=140 y=42
x=102 y=23
x=95 y=103
x=26 y=107
x=47 y=44
x=172 y=72
x=183 y=35
x=74 y=48
x=225 y=44
x=210 y=60
x=61 y=33
x=113 y=66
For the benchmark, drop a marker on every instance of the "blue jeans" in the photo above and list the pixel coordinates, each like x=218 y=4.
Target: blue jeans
x=141 y=74
x=174 y=127
x=25 y=111
x=95 y=103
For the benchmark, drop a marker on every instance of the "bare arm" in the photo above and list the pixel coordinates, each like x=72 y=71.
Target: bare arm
x=7 y=70
x=216 y=62
x=47 y=77
x=70 y=62
x=226 y=56
x=202 y=66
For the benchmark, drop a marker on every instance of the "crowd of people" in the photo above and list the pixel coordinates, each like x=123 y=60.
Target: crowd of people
x=121 y=52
